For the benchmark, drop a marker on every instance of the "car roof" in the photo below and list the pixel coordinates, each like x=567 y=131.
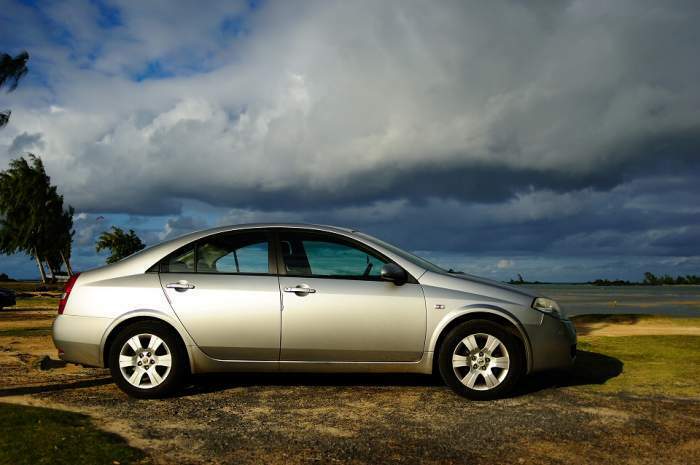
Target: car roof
x=243 y=226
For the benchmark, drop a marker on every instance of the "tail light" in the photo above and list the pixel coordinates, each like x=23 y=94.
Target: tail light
x=66 y=293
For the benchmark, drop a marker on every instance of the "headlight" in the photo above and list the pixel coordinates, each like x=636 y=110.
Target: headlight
x=546 y=305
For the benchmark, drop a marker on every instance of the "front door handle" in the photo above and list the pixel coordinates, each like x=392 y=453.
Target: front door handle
x=300 y=290
x=180 y=286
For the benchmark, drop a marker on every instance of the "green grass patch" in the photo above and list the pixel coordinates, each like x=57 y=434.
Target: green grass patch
x=23 y=332
x=33 y=435
x=37 y=302
x=633 y=318
x=31 y=286
x=667 y=366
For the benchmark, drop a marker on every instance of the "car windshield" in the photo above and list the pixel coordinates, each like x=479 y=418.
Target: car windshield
x=421 y=262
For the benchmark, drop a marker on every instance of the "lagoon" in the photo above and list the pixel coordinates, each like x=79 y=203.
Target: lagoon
x=582 y=299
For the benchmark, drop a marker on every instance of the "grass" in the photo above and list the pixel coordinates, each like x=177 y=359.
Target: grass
x=665 y=366
x=633 y=318
x=33 y=435
x=31 y=286
x=37 y=302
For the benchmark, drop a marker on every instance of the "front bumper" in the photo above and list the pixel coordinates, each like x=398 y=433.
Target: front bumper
x=79 y=338
x=553 y=344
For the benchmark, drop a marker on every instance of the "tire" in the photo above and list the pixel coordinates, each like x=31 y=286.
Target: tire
x=496 y=354
x=153 y=374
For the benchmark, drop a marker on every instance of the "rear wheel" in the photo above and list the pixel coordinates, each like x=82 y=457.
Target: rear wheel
x=147 y=360
x=480 y=360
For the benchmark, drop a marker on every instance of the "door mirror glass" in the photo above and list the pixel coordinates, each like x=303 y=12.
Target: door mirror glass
x=394 y=273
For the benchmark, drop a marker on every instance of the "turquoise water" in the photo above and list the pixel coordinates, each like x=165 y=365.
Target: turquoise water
x=580 y=299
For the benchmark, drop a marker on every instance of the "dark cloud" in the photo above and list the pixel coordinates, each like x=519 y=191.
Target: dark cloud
x=490 y=129
x=26 y=143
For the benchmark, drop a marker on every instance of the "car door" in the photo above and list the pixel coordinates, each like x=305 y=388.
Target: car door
x=336 y=307
x=225 y=292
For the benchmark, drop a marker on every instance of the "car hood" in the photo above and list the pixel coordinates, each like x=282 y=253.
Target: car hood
x=481 y=286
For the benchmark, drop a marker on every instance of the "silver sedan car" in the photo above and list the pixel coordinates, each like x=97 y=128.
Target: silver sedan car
x=285 y=297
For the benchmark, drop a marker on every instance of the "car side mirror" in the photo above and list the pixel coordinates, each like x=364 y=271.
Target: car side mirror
x=394 y=273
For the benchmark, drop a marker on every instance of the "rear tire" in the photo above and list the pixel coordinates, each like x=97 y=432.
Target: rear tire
x=147 y=360
x=480 y=360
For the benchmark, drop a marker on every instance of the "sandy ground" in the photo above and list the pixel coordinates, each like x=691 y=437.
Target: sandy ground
x=635 y=325
x=284 y=418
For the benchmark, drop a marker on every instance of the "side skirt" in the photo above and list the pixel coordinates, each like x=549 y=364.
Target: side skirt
x=205 y=364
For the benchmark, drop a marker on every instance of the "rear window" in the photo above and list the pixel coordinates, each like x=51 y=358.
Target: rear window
x=228 y=253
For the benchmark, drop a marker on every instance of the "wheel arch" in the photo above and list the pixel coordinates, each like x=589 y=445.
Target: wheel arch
x=494 y=314
x=134 y=317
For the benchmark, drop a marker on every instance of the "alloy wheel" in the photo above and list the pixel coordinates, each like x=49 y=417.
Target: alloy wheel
x=481 y=361
x=145 y=361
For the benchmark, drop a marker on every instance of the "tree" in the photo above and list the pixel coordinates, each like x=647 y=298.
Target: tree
x=56 y=246
x=120 y=244
x=650 y=279
x=11 y=71
x=32 y=217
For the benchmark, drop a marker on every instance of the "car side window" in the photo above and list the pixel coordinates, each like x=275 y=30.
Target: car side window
x=180 y=261
x=326 y=256
x=233 y=253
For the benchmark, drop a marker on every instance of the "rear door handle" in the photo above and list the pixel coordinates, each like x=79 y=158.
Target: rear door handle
x=180 y=286
x=300 y=290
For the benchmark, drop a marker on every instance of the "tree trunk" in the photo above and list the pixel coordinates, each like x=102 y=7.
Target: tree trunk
x=52 y=274
x=67 y=263
x=42 y=272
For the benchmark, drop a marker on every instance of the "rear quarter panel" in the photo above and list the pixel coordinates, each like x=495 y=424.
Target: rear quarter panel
x=110 y=298
x=102 y=304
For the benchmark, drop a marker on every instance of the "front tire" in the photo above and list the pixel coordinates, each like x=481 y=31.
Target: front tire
x=147 y=360
x=480 y=360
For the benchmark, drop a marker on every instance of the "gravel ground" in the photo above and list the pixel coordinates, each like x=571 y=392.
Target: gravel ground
x=354 y=419
x=390 y=419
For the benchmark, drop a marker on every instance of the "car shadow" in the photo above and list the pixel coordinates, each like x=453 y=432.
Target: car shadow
x=589 y=368
x=63 y=386
x=214 y=382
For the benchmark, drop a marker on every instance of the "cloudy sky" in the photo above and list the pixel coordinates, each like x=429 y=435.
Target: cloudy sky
x=559 y=140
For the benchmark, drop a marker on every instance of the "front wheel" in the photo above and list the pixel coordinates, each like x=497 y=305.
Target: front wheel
x=480 y=360
x=147 y=361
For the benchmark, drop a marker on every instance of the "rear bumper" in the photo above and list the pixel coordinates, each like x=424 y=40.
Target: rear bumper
x=553 y=344
x=78 y=338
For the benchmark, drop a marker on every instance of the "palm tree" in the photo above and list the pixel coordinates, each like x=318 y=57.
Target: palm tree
x=58 y=237
x=32 y=217
x=120 y=244
x=11 y=71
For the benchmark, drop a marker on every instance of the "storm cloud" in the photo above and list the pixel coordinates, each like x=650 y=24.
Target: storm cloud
x=538 y=129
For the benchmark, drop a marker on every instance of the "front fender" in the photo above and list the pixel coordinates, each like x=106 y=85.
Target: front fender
x=473 y=311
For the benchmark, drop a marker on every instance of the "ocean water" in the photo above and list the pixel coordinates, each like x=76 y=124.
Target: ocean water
x=581 y=299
